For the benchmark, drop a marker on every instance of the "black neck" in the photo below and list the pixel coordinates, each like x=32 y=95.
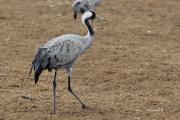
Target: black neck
x=91 y=31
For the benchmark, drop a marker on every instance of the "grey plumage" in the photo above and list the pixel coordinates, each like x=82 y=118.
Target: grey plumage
x=58 y=53
x=80 y=6
x=61 y=52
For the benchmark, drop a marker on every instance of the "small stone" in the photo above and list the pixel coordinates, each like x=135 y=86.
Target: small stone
x=27 y=97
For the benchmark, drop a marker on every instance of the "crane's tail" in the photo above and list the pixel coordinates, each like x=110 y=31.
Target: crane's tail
x=38 y=70
x=37 y=66
x=40 y=63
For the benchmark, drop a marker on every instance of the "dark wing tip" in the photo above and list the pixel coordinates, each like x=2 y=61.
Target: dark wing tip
x=37 y=74
x=75 y=15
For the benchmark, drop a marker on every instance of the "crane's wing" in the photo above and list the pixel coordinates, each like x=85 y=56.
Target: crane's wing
x=90 y=2
x=93 y=3
x=64 y=52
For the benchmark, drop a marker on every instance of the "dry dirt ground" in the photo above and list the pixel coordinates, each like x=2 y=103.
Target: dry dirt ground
x=131 y=72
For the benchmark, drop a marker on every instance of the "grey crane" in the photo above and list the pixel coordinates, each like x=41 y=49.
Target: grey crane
x=81 y=6
x=61 y=53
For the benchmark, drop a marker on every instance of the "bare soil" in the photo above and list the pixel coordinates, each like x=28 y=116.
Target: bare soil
x=131 y=72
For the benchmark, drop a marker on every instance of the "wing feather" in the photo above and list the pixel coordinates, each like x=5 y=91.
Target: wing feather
x=64 y=52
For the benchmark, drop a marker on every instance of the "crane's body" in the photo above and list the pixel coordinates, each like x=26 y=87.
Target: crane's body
x=64 y=50
x=61 y=52
x=81 y=6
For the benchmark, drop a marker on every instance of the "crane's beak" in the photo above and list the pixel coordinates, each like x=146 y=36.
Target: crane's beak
x=100 y=18
x=75 y=15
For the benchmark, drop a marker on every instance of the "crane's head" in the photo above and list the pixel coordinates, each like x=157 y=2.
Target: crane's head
x=91 y=15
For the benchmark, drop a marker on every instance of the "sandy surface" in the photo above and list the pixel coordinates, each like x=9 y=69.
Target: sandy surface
x=132 y=71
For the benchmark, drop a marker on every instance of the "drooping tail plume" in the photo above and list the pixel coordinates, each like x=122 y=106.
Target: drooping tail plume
x=38 y=71
x=39 y=63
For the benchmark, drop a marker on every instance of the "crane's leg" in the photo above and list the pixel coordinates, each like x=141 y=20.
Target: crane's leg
x=70 y=90
x=54 y=94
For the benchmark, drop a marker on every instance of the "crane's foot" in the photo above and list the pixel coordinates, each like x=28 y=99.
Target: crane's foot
x=84 y=107
x=53 y=112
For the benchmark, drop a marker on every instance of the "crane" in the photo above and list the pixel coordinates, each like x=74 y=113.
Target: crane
x=81 y=6
x=61 y=53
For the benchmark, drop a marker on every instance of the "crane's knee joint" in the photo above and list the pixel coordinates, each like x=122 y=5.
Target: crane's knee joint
x=69 y=89
x=54 y=84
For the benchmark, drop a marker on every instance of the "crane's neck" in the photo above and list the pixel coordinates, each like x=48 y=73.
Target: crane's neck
x=90 y=29
x=90 y=35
